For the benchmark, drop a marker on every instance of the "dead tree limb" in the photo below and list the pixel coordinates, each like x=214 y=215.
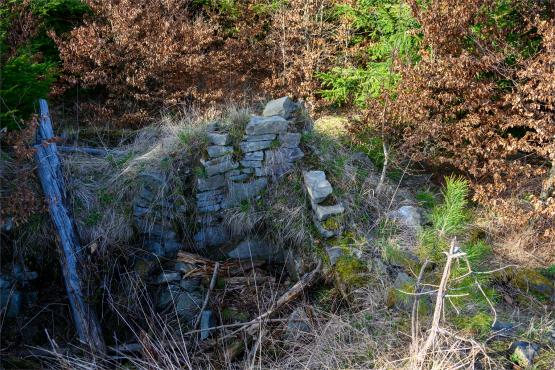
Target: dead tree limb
x=252 y=327
x=49 y=171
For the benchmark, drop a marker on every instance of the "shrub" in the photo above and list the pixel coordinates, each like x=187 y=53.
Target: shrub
x=28 y=56
x=480 y=101
x=451 y=223
x=141 y=56
x=382 y=31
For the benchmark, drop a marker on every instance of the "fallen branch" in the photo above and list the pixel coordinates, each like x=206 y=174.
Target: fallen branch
x=438 y=310
x=414 y=321
x=250 y=328
x=206 y=266
x=306 y=281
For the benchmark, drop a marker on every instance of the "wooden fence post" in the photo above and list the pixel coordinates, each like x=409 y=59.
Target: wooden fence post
x=50 y=174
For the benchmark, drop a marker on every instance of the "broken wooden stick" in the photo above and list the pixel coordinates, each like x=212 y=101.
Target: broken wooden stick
x=207 y=298
x=50 y=175
x=206 y=266
x=250 y=328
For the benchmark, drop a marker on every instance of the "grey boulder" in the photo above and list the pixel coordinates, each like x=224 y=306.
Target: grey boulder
x=408 y=216
x=290 y=139
x=283 y=106
x=334 y=253
x=298 y=324
x=325 y=212
x=255 y=249
x=524 y=353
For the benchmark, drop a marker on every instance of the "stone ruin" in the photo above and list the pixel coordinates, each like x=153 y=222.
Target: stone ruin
x=268 y=150
x=230 y=176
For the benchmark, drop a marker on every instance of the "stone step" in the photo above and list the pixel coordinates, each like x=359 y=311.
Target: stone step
x=317 y=186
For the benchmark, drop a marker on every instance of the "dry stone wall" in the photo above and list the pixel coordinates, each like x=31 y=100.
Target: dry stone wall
x=153 y=213
x=231 y=175
x=234 y=175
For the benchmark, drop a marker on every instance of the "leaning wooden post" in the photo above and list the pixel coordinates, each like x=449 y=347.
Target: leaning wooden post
x=50 y=174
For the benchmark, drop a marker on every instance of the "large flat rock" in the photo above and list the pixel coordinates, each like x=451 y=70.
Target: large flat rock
x=210 y=183
x=290 y=139
x=283 y=155
x=255 y=249
x=243 y=191
x=266 y=125
x=325 y=212
x=254 y=146
x=220 y=165
x=264 y=137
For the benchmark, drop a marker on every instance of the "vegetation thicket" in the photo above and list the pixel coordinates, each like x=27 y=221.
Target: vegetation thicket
x=464 y=90
x=481 y=101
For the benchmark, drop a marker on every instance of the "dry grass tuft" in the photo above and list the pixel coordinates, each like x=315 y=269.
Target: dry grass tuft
x=101 y=189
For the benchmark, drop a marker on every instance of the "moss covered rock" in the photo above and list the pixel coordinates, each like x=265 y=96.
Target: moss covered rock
x=532 y=281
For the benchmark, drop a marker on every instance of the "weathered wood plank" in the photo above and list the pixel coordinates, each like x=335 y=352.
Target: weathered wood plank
x=97 y=152
x=50 y=175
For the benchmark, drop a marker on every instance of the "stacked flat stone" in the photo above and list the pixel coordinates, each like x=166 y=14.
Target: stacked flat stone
x=153 y=213
x=268 y=151
x=269 y=148
x=319 y=190
x=212 y=188
x=16 y=291
x=178 y=293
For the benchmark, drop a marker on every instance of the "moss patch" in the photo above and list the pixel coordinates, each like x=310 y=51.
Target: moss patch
x=478 y=324
x=399 y=257
x=333 y=223
x=351 y=271
x=530 y=280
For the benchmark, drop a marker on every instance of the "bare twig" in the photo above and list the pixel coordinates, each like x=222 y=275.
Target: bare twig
x=414 y=321
x=422 y=352
x=207 y=298
x=384 y=168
